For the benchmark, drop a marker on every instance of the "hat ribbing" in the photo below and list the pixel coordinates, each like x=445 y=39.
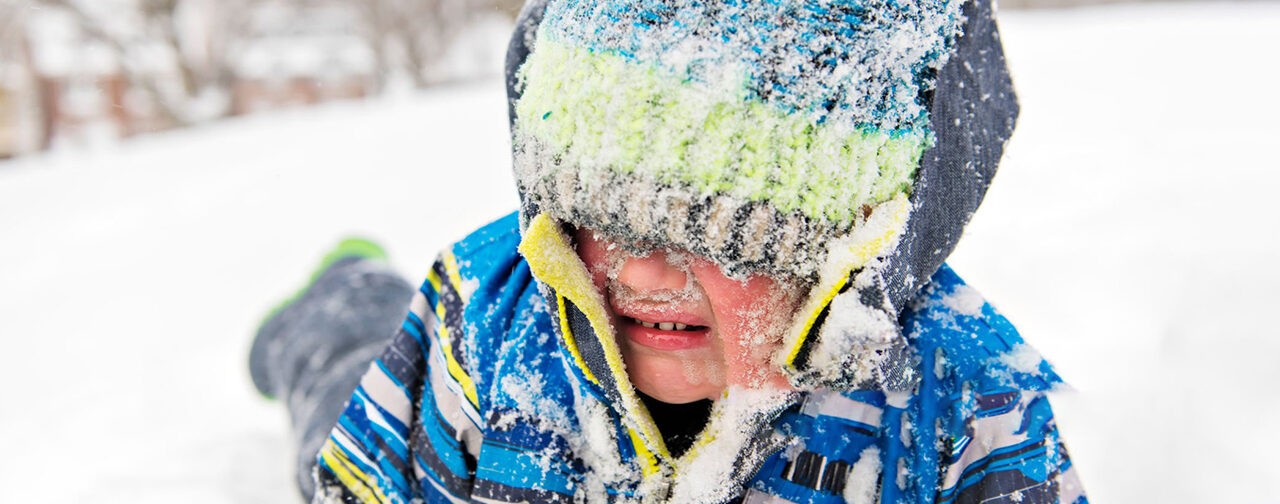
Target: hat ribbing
x=749 y=133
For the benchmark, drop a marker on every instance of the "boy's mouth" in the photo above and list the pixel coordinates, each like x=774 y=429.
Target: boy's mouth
x=665 y=335
x=667 y=326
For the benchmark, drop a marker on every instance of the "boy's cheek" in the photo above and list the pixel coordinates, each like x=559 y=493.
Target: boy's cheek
x=594 y=254
x=752 y=316
x=748 y=340
x=748 y=363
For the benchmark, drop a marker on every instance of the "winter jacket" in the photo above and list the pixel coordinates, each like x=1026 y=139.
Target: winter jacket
x=485 y=395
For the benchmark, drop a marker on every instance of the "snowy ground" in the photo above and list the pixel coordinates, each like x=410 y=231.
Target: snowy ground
x=1126 y=235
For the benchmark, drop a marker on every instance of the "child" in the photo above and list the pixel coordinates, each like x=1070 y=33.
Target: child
x=725 y=282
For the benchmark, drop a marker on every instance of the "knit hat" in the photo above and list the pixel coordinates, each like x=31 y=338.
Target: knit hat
x=842 y=144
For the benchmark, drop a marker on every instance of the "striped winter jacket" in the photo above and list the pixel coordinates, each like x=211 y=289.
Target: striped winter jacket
x=482 y=396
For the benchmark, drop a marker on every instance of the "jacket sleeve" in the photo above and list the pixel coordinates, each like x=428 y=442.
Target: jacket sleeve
x=409 y=431
x=1007 y=450
x=986 y=393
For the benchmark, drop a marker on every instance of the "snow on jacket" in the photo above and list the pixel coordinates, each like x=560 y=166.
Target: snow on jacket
x=479 y=399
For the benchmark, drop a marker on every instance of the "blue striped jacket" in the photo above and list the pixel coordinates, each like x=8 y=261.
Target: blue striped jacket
x=483 y=397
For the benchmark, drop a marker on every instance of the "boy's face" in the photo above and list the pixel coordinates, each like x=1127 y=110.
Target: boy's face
x=686 y=331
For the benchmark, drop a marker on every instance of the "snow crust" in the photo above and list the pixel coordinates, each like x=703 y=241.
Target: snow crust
x=965 y=300
x=1023 y=358
x=785 y=48
x=849 y=340
x=739 y=441
x=601 y=452
x=863 y=480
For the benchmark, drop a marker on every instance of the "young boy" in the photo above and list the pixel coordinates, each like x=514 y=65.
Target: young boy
x=725 y=283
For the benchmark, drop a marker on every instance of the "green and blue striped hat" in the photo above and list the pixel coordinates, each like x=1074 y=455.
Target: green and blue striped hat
x=843 y=144
x=747 y=132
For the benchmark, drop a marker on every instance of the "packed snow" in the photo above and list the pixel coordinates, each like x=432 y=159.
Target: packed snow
x=1125 y=236
x=864 y=477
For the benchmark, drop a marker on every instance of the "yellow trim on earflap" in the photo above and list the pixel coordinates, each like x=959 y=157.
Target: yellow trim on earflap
x=554 y=262
x=872 y=238
x=571 y=342
x=649 y=462
x=813 y=317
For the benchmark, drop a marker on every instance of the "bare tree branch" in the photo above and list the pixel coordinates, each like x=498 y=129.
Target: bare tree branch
x=92 y=28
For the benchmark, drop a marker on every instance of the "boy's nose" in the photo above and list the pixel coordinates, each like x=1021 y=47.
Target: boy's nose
x=652 y=272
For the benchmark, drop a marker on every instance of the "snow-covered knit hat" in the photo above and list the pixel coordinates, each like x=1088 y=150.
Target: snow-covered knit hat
x=839 y=143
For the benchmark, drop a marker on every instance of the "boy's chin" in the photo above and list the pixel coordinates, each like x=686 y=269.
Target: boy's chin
x=672 y=386
x=679 y=397
x=683 y=377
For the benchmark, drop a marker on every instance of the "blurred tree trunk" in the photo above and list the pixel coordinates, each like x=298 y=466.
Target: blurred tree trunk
x=195 y=68
x=377 y=22
x=414 y=36
x=427 y=31
x=160 y=19
x=407 y=38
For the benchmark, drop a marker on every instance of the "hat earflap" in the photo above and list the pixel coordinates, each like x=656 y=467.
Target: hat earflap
x=846 y=335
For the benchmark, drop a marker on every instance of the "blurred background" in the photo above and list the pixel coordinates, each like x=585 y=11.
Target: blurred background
x=170 y=169
x=73 y=72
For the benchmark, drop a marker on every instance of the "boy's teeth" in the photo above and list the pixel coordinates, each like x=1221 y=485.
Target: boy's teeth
x=665 y=326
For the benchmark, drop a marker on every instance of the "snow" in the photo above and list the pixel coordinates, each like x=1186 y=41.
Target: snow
x=864 y=477
x=1126 y=236
x=724 y=449
x=133 y=276
x=965 y=300
x=853 y=340
x=1023 y=358
x=763 y=43
x=598 y=447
